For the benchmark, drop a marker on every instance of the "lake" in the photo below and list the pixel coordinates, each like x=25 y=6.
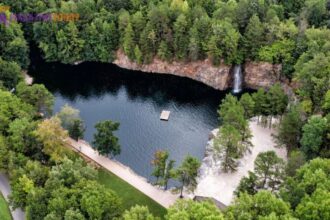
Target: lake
x=135 y=100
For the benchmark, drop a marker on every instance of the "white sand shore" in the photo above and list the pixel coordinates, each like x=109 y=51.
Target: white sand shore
x=221 y=185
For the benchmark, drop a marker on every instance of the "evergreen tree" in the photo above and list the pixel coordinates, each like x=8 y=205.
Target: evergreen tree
x=194 y=44
x=248 y=184
x=164 y=52
x=128 y=42
x=269 y=169
x=227 y=146
x=248 y=104
x=261 y=104
x=147 y=43
x=181 y=39
x=214 y=52
x=138 y=55
x=289 y=130
x=253 y=37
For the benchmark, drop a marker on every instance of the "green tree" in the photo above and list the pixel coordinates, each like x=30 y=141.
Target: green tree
x=269 y=169
x=147 y=42
x=71 y=121
x=188 y=209
x=76 y=131
x=69 y=44
x=138 y=55
x=36 y=95
x=231 y=112
x=187 y=173
x=105 y=142
x=10 y=74
x=248 y=184
x=13 y=46
x=169 y=173
x=52 y=136
x=326 y=103
x=308 y=179
x=295 y=161
x=68 y=115
x=290 y=129
x=313 y=137
x=224 y=43
x=312 y=67
x=128 y=42
x=194 y=48
x=314 y=207
x=99 y=202
x=248 y=104
x=316 y=11
x=277 y=100
x=181 y=40
x=227 y=147
x=254 y=37
x=12 y=108
x=261 y=105
x=164 y=53
x=159 y=163
x=20 y=191
x=138 y=213
x=21 y=138
x=73 y=215
x=263 y=205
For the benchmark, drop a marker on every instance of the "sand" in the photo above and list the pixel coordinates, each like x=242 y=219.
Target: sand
x=220 y=185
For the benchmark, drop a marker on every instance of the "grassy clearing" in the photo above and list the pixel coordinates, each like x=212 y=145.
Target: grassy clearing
x=4 y=209
x=129 y=194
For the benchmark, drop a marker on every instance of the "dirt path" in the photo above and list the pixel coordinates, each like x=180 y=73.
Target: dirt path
x=221 y=185
x=164 y=198
x=17 y=214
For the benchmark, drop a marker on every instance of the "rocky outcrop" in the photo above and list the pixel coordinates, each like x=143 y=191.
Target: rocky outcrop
x=256 y=75
x=261 y=74
x=217 y=77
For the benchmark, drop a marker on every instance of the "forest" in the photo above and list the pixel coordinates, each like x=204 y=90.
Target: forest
x=50 y=182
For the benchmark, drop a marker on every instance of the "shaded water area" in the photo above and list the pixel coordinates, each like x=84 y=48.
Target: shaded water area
x=136 y=99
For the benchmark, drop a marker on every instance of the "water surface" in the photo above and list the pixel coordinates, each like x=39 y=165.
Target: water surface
x=136 y=99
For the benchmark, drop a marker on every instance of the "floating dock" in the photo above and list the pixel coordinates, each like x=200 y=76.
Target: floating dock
x=165 y=115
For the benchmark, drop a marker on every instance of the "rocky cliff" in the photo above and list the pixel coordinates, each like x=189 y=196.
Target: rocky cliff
x=219 y=77
x=261 y=74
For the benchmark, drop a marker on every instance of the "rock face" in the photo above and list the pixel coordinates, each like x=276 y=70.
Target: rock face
x=219 y=77
x=261 y=74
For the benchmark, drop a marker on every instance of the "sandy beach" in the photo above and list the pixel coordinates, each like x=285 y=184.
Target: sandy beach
x=220 y=185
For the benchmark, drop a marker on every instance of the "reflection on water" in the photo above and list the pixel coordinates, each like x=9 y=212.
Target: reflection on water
x=135 y=99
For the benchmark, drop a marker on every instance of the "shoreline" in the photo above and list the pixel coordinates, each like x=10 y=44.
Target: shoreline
x=220 y=185
x=164 y=198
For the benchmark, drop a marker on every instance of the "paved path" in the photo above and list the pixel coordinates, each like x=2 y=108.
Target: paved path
x=18 y=214
x=164 y=198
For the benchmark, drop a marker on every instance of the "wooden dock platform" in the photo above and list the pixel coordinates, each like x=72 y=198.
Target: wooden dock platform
x=165 y=115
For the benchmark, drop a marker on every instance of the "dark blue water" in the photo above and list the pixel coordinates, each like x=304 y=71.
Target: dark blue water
x=136 y=99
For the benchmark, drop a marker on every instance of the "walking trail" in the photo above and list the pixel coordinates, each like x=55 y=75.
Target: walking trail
x=17 y=214
x=164 y=198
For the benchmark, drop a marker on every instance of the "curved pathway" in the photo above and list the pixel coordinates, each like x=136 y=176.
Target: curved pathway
x=17 y=214
x=164 y=198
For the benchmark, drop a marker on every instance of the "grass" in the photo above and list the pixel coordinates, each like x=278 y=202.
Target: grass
x=4 y=209
x=130 y=195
